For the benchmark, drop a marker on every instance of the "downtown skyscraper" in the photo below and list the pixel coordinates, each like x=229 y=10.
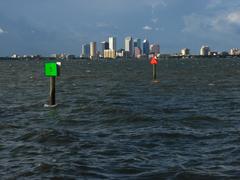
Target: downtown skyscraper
x=93 y=50
x=112 y=43
x=86 y=50
x=104 y=46
x=146 y=47
x=137 y=43
x=154 y=49
x=129 y=46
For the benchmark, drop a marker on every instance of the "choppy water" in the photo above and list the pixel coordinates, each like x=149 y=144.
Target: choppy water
x=113 y=122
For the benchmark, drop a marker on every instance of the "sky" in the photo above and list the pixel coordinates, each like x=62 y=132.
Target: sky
x=61 y=26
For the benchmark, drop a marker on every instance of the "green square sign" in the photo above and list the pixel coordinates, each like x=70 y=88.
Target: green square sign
x=51 y=70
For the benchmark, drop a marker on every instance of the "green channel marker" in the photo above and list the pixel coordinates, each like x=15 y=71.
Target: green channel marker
x=51 y=70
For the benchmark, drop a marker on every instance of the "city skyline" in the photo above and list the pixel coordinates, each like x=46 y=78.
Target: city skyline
x=109 y=48
x=133 y=47
x=175 y=24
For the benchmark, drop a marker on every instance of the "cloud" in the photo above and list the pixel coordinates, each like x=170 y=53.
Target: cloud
x=214 y=4
x=147 y=28
x=156 y=3
x=219 y=17
x=2 y=31
x=221 y=22
x=195 y=23
x=222 y=4
x=234 y=17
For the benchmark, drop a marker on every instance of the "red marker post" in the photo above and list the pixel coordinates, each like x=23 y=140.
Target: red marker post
x=154 y=62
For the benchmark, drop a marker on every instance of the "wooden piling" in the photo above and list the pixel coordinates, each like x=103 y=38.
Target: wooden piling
x=52 y=93
x=154 y=72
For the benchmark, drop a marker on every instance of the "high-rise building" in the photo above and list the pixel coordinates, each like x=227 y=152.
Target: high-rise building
x=121 y=53
x=204 y=51
x=146 y=47
x=93 y=50
x=112 y=43
x=234 y=52
x=185 y=52
x=137 y=43
x=104 y=46
x=86 y=50
x=109 y=54
x=129 y=46
x=155 y=49
x=137 y=52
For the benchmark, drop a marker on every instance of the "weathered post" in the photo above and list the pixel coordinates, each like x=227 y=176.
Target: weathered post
x=52 y=94
x=154 y=62
x=154 y=72
x=52 y=70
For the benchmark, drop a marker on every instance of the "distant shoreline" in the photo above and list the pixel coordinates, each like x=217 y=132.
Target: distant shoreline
x=122 y=58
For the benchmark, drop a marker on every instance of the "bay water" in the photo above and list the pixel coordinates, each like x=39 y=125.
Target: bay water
x=113 y=122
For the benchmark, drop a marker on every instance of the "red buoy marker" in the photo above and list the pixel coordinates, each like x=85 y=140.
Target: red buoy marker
x=154 y=62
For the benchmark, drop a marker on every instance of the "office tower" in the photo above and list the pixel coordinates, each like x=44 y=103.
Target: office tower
x=137 y=43
x=155 y=49
x=104 y=46
x=129 y=46
x=93 y=50
x=86 y=50
x=185 y=52
x=112 y=43
x=234 y=52
x=109 y=54
x=146 y=47
x=204 y=51
x=121 y=53
x=137 y=52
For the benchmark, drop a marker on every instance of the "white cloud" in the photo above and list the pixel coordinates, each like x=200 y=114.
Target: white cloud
x=156 y=3
x=221 y=22
x=1 y=31
x=213 y=4
x=222 y=4
x=234 y=17
x=147 y=28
